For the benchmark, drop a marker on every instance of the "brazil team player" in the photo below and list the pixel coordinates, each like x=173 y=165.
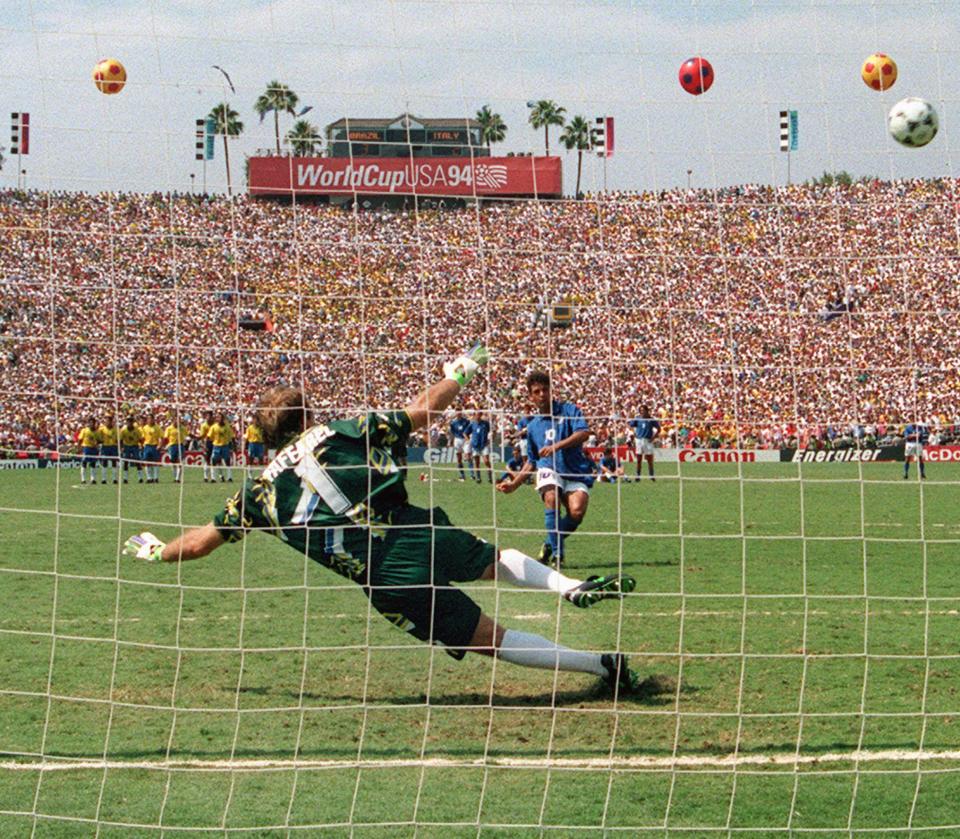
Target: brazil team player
x=89 y=440
x=109 y=453
x=480 y=446
x=555 y=438
x=176 y=435
x=916 y=435
x=152 y=435
x=203 y=434
x=332 y=485
x=459 y=429
x=221 y=435
x=253 y=437
x=130 y=440
x=645 y=430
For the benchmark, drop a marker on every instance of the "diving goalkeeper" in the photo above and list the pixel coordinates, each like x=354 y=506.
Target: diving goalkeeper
x=335 y=487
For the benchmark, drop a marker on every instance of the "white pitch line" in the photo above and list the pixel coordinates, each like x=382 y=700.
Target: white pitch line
x=634 y=762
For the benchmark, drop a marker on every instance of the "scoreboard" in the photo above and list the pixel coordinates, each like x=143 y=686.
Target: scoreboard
x=406 y=136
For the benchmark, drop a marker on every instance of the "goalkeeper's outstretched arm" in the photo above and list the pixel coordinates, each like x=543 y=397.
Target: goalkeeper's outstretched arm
x=192 y=544
x=437 y=398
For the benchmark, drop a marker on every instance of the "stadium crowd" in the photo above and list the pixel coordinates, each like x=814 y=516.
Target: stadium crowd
x=746 y=316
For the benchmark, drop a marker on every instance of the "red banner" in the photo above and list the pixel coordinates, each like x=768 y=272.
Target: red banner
x=427 y=176
x=942 y=454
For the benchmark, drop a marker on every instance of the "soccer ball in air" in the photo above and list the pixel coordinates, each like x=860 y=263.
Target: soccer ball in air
x=879 y=71
x=912 y=122
x=696 y=75
x=109 y=76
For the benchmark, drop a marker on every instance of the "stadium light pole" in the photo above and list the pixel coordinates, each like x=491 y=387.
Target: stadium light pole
x=689 y=173
x=192 y=177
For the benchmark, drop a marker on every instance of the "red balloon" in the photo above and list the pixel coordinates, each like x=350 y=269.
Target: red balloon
x=696 y=75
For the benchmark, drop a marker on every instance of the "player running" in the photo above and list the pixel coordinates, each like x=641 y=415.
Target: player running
x=645 y=430
x=480 y=446
x=555 y=438
x=130 y=439
x=459 y=428
x=89 y=441
x=331 y=483
x=109 y=453
x=916 y=435
x=176 y=434
x=152 y=435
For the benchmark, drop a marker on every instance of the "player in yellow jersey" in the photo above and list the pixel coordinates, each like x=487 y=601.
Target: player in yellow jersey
x=109 y=452
x=203 y=435
x=221 y=435
x=152 y=435
x=130 y=440
x=176 y=434
x=253 y=437
x=89 y=441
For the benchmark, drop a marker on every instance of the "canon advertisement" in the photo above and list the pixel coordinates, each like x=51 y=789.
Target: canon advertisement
x=426 y=176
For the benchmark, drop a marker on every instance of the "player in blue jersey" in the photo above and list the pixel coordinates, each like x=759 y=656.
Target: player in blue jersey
x=916 y=435
x=645 y=430
x=555 y=438
x=522 y=424
x=480 y=446
x=459 y=429
x=610 y=469
x=514 y=465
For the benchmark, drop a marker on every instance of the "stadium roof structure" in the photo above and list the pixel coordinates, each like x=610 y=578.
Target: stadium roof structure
x=404 y=120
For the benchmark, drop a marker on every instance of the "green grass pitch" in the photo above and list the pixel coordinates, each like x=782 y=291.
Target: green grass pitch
x=810 y=619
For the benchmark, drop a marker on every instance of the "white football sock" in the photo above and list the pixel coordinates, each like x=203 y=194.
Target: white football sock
x=530 y=650
x=523 y=571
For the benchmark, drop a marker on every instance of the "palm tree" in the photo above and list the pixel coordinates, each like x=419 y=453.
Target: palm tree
x=226 y=123
x=543 y=114
x=576 y=135
x=304 y=137
x=277 y=97
x=492 y=127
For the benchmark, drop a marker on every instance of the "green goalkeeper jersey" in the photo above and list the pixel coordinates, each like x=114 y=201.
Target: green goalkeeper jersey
x=326 y=493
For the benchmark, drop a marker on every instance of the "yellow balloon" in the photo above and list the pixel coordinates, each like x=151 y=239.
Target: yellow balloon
x=879 y=71
x=109 y=76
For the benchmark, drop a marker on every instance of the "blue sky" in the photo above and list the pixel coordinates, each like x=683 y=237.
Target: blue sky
x=440 y=58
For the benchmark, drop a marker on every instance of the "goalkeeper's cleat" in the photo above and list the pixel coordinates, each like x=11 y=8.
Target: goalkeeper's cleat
x=621 y=680
x=144 y=546
x=595 y=589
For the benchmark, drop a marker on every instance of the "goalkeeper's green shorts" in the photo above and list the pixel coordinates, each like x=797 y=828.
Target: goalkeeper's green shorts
x=410 y=579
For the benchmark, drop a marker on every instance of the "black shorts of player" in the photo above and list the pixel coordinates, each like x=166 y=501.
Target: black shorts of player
x=208 y=450
x=410 y=580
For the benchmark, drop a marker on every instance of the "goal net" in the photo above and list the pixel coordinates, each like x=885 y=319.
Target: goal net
x=341 y=198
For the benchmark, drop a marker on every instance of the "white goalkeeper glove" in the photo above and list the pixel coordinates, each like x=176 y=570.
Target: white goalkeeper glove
x=461 y=370
x=144 y=546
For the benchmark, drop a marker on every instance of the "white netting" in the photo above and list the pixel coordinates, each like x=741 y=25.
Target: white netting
x=805 y=612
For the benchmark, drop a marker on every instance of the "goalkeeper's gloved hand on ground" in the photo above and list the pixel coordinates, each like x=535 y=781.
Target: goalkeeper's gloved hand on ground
x=461 y=370
x=144 y=546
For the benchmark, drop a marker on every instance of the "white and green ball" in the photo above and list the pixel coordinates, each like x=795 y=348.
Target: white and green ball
x=913 y=122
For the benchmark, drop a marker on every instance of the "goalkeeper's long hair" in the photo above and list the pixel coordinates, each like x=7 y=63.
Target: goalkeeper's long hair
x=283 y=413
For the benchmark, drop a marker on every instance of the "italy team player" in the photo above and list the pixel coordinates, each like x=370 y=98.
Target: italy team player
x=459 y=429
x=480 y=446
x=253 y=437
x=176 y=435
x=89 y=440
x=109 y=453
x=221 y=435
x=203 y=434
x=555 y=438
x=152 y=435
x=645 y=430
x=916 y=435
x=130 y=440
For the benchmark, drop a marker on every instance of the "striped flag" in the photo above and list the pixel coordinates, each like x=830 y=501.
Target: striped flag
x=789 y=131
x=19 y=133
